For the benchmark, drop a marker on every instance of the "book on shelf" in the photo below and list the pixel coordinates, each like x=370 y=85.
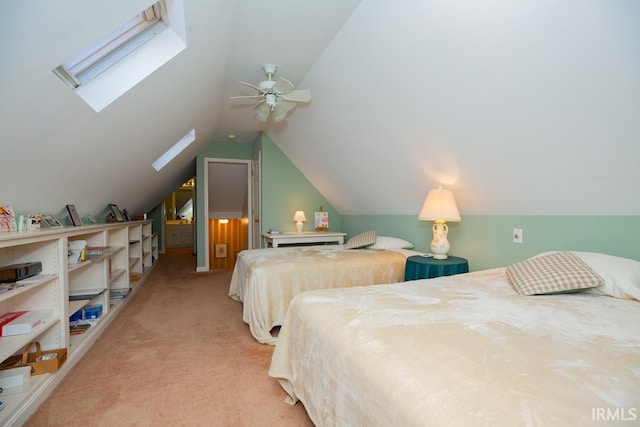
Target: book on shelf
x=78 y=294
x=98 y=252
x=22 y=322
x=118 y=293
x=34 y=279
x=79 y=329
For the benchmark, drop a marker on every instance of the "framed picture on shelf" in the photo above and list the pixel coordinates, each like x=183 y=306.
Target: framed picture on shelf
x=73 y=214
x=115 y=211
x=321 y=221
x=7 y=218
x=50 y=220
x=125 y=214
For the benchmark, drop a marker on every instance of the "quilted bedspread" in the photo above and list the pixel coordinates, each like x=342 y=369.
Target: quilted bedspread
x=265 y=280
x=462 y=350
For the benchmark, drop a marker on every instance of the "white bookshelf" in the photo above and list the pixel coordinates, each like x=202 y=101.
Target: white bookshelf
x=64 y=289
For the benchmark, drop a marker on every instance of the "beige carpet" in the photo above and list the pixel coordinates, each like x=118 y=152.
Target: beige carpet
x=178 y=354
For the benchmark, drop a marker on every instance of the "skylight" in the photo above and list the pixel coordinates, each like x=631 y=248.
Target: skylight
x=92 y=61
x=175 y=150
x=105 y=71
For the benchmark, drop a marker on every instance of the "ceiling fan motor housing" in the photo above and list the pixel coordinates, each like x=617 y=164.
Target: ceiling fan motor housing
x=266 y=85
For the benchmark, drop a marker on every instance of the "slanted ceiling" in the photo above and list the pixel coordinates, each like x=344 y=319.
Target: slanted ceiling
x=527 y=107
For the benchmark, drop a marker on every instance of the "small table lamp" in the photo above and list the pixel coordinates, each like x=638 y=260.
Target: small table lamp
x=440 y=207
x=299 y=218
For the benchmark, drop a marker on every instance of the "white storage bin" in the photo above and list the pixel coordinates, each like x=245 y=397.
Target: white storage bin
x=15 y=377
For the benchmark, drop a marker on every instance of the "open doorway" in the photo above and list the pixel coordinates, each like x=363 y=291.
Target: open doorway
x=228 y=204
x=179 y=225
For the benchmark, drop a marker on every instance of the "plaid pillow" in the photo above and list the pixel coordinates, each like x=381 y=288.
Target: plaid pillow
x=361 y=240
x=558 y=272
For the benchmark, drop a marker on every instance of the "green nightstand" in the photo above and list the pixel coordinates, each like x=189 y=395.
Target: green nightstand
x=419 y=267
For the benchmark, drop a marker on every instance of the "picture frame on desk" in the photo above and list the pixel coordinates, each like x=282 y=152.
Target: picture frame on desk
x=321 y=221
x=73 y=215
x=115 y=211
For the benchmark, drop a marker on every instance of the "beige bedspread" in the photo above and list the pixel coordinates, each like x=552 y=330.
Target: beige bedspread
x=265 y=280
x=463 y=350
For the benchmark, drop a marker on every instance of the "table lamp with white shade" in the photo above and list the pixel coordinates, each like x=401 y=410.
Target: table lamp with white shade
x=440 y=207
x=299 y=218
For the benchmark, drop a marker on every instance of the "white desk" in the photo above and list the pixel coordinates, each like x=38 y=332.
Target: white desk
x=304 y=237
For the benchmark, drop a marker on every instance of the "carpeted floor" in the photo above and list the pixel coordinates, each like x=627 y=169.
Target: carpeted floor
x=178 y=354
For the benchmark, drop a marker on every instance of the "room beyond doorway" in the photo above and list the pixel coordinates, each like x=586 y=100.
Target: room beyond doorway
x=227 y=203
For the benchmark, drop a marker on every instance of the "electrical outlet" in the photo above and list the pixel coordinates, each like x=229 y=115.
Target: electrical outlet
x=517 y=235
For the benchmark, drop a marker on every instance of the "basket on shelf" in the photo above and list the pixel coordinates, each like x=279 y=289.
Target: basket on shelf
x=41 y=362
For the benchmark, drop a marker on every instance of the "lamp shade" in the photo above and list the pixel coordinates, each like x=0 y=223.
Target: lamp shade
x=440 y=205
x=299 y=216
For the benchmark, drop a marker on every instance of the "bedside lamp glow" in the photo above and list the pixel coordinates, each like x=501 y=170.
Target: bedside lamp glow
x=299 y=218
x=440 y=207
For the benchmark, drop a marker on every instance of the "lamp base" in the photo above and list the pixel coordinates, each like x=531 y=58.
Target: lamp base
x=299 y=226
x=440 y=244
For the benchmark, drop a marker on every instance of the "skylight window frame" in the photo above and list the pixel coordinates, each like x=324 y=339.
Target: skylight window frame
x=174 y=151
x=86 y=65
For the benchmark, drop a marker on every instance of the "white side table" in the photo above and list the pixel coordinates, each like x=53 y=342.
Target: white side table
x=292 y=238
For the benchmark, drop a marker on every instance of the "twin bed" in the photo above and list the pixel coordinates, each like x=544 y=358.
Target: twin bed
x=467 y=350
x=265 y=280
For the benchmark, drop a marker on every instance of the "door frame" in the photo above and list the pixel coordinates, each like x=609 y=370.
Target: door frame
x=256 y=212
x=207 y=161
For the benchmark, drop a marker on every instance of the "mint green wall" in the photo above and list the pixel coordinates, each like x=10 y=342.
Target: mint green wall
x=485 y=240
x=286 y=190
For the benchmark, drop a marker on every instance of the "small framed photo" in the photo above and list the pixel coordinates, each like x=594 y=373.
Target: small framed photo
x=221 y=250
x=321 y=221
x=115 y=211
x=125 y=214
x=50 y=220
x=73 y=214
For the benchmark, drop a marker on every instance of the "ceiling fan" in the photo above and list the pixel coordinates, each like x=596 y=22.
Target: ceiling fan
x=275 y=96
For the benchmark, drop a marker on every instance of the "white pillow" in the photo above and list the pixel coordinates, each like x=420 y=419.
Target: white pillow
x=384 y=242
x=621 y=275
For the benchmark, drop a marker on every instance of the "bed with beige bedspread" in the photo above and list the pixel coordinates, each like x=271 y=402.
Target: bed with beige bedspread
x=465 y=350
x=265 y=280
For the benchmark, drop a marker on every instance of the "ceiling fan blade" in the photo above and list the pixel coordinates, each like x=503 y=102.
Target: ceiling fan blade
x=258 y=104
x=246 y=96
x=300 y=95
x=285 y=105
x=252 y=86
x=283 y=85
x=262 y=112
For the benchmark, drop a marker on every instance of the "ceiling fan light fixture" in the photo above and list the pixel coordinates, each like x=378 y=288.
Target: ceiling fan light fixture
x=271 y=100
x=277 y=96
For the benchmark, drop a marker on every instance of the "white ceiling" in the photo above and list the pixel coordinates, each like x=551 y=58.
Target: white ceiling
x=527 y=107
